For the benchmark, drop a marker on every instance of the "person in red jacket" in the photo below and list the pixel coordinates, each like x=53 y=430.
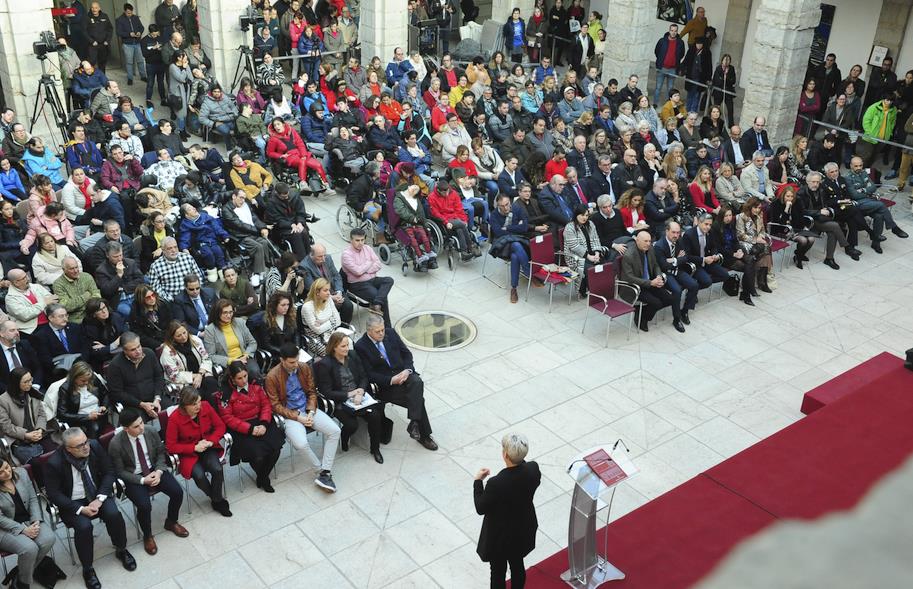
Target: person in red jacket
x=557 y=165
x=391 y=109
x=446 y=206
x=247 y=413
x=462 y=161
x=285 y=146
x=702 y=193
x=193 y=433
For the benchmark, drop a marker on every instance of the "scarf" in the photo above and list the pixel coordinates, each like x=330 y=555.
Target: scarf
x=84 y=189
x=190 y=358
x=538 y=18
x=54 y=260
x=82 y=465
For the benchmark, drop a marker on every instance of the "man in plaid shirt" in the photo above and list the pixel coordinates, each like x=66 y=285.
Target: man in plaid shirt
x=166 y=275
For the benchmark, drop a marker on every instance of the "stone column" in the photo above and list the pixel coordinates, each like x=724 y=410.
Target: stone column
x=20 y=70
x=733 y=42
x=382 y=28
x=630 y=30
x=892 y=25
x=502 y=9
x=779 y=57
x=221 y=35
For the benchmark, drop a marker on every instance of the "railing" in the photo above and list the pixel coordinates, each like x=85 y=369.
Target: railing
x=812 y=122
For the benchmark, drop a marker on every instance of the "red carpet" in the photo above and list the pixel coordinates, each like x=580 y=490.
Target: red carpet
x=848 y=382
x=822 y=463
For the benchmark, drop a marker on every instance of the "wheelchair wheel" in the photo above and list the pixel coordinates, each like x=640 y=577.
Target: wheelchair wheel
x=405 y=268
x=384 y=253
x=346 y=220
x=435 y=236
x=450 y=258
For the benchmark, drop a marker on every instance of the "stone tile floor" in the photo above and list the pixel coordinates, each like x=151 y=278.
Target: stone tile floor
x=681 y=402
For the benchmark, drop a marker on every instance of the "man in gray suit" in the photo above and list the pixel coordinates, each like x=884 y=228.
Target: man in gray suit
x=140 y=460
x=639 y=266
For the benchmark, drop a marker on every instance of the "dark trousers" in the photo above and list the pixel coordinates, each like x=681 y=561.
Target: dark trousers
x=375 y=291
x=155 y=73
x=499 y=570
x=707 y=275
x=82 y=530
x=98 y=55
x=879 y=212
x=834 y=235
x=679 y=283
x=655 y=299
x=373 y=416
x=264 y=466
x=141 y=497
x=411 y=395
x=346 y=310
x=209 y=463
x=853 y=219
x=299 y=242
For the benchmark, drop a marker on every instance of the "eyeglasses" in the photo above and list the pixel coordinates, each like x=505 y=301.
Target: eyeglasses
x=79 y=446
x=193 y=288
x=150 y=295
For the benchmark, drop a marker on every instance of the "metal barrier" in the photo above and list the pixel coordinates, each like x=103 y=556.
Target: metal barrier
x=813 y=122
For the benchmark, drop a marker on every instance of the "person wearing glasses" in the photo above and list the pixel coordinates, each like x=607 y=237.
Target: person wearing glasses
x=79 y=478
x=228 y=339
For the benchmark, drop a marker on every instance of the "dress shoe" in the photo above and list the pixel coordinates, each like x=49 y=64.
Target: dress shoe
x=514 y=297
x=644 y=325
x=91 y=579
x=803 y=257
x=376 y=309
x=412 y=430
x=685 y=319
x=798 y=262
x=830 y=262
x=429 y=443
x=265 y=485
x=222 y=508
x=678 y=326
x=149 y=545
x=344 y=444
x=177 y=529
x=126 y=559
x=746 y=298
x=899 y=232
x=129 y=82
x=378 y=457
x=879 y=238
x=877 y=247
x=144 y=79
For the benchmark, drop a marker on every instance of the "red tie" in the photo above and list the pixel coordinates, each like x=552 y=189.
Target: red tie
x=143 y=465
x=580 y=194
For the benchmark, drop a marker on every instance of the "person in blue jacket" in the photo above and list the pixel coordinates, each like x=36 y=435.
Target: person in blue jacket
x=82 y=153
x=514 y=32
x=310 y=46
x=38 y=160
x=10 y=183
x=397 y=68
x=204 y=234
x=86 y=80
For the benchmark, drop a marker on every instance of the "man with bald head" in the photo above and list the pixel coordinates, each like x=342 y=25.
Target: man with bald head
x=553 y=203
x=639 y=266
x=25 y=301
x=319 y=264
x=17 y=352
x=628 y=174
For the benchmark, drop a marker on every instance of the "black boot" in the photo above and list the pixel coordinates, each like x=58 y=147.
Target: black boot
x=762 y=280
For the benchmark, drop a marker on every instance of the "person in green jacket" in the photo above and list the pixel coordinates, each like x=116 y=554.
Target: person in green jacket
x=878 y=122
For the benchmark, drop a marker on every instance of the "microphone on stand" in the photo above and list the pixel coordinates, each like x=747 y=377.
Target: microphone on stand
x=620 y=441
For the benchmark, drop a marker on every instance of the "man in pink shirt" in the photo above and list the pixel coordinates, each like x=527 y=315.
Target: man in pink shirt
x=360 y=265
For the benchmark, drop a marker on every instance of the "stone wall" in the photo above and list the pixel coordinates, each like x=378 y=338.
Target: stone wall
x=892 y=24
x=382 y=29
x=20 y=70
x=221 y=35
x=629 y=27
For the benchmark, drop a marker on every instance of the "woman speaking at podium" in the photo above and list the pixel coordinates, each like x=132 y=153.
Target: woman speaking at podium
x=509 y=526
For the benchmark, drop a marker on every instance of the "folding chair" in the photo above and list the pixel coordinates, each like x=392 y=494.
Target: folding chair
x=603 y=297
x=542 y=266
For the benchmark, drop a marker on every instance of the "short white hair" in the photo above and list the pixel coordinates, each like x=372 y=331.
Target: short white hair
x=515 y=446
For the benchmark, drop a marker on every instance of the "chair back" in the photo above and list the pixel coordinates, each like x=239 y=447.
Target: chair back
x=541 y=250
x=149 y=158
x=392 y=217
x=39 y=464
x=105 y=439
x=601 y=279
x=163 y=421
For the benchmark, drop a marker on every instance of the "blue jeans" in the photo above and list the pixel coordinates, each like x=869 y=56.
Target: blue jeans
x=156 y=74
x=210 y=256
x=519 y=262
x=694 y=99
x=470 y=210
x=133 y=55
x=664 y=77
x=125 y=304
x=491 y=189
x=260 y=142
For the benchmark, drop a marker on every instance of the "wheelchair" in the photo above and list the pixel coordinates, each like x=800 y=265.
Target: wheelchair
x=445 y=242
x=312 y=185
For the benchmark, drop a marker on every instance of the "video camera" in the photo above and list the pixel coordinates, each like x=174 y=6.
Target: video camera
x=47 y=44
x=251 y=17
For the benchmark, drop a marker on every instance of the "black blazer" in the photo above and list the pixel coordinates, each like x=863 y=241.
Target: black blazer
x=46 y=340
x=510 y=524
x=183 y=309
x=378 y=370
x=749 y=142
x=58 y=477
x=68 y=404
x=151 y=334
x=692 y=246
x=329 y=382
x=664 y=251
x=111 y=285
x=29 y=359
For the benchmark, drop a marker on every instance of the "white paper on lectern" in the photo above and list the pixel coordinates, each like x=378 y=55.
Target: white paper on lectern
x=582 y=474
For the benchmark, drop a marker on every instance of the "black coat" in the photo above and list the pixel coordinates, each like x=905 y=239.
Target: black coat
x=510 y=524
x=704 y=65
x=29 y=359
x=379 y=372
x=238 y=228
x=58 y=477
x=45 y=339
x=111 y=285
x=151 y=335
x=329 y=381
x=284 y=213
x=68 y=405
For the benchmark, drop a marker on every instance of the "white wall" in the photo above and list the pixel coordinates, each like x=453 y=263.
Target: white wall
x=905 y=59
x=716 y=15
x=851 y=37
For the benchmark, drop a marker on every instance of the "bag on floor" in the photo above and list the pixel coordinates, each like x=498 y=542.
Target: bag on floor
x=731 y=285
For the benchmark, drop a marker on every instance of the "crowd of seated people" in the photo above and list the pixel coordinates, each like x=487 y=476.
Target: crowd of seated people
x=149 y=274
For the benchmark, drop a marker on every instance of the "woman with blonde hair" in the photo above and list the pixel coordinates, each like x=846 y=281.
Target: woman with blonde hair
x=47 y=263
x=625 y=116
x=320 y=317
x=796 y=166
x=728 y=187
x=753 y=237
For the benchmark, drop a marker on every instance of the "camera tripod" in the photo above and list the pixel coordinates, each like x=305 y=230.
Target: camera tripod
x=245 y=65
x=47 y=95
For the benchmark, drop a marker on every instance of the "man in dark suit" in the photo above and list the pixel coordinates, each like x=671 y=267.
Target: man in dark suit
x=673 y=260
x=17 y=352
x=509 y=526
x=193 y=305
x=610 y=227
x=582 y=158
x=639 y=266
x=79 y=480
x=58 y=338
x=755 y=139
x=628 y=174
x=702 y=250
x=510 y=177
x=389 y=365
x=140 y=460
x=732 y=149
x=553 y=203
x=117 y=278
x=601 y=181
x=575 y=192
x=319 y=264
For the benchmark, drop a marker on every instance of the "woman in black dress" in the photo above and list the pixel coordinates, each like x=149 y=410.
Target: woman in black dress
x=247 y=413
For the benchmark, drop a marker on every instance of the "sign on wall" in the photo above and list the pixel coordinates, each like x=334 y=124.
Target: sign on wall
x=678 y=11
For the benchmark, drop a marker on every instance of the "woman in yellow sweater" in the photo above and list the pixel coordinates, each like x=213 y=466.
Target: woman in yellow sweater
x=227 y=339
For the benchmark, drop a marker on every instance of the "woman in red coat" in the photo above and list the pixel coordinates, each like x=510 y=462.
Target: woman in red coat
x=631 y=209
x=702 y=193
x=446 y=205
x=193 y=433
x=285 y=146
x=246 y=411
